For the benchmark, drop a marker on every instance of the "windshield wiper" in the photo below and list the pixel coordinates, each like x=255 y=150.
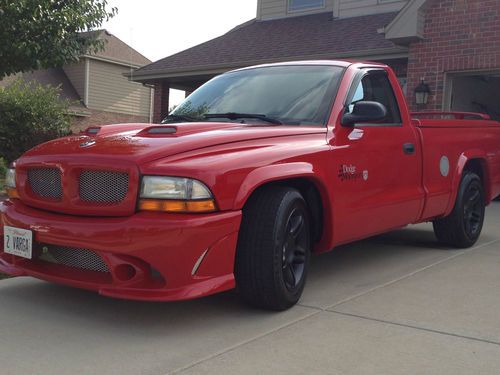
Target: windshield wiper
x=170 y=119
x=235 y=116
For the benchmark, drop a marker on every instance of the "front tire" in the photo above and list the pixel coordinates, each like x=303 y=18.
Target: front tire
x=274 y=247
x=463 y=226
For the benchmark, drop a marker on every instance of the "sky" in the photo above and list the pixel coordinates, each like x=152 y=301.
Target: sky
x=160 y=28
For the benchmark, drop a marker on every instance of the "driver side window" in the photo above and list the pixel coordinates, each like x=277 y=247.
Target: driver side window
x=376 y=87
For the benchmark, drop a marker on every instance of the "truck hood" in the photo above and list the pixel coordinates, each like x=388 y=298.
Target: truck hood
x=141 y=143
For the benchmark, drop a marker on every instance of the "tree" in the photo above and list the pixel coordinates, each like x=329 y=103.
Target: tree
x=39 y=34
x=30 y=114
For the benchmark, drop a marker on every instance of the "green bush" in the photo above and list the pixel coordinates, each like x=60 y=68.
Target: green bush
x=2 y=174
x=3 y=169
x=30 y=114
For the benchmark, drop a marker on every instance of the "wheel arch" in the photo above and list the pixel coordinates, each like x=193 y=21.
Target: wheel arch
x=473 y=161
x=299 y=176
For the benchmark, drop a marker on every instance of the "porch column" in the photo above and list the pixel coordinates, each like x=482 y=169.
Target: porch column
x=161 y=101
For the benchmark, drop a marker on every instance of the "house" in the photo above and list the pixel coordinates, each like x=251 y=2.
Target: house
x=98 y=86
x=452 y=46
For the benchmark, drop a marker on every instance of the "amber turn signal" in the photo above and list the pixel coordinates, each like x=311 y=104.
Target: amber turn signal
x=199 y=206
x=12 y=193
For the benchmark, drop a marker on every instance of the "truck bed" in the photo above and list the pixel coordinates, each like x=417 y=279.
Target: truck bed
x=460 y=145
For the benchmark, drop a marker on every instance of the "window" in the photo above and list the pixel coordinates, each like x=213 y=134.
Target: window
x=295 y=95
x=299 y=5
x=375 y=87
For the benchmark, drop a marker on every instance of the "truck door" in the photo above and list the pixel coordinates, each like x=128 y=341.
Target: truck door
x=377 y=165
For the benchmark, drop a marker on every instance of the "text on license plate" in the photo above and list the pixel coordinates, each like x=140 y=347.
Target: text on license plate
x=17 y=241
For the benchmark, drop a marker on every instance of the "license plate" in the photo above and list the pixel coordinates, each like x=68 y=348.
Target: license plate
x=17 y=241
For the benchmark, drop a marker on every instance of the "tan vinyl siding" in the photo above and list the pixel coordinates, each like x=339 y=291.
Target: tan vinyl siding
x=355 y=8
x=110 y=91
x=76 y=75
x=272 y=9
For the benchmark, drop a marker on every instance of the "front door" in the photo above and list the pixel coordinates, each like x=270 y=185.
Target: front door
x=378 y=170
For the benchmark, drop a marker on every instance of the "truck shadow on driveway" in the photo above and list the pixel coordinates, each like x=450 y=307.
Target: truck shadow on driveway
x=360 y=264
x=167 y=336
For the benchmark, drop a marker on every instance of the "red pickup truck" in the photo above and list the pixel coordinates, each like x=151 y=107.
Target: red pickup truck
x=250 y=175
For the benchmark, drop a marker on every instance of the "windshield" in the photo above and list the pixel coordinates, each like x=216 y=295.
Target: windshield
x=293 y=95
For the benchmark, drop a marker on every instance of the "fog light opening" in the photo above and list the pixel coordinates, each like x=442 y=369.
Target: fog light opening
x=125 y=272
x=155 y=274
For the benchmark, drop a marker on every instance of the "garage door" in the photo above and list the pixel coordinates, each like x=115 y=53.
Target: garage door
x=474 y=92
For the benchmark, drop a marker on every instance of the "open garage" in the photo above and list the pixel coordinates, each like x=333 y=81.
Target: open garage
x=474 y=92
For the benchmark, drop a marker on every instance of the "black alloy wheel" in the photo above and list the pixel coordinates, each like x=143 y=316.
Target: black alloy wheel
x=473 y=210
x=463 y=226
x=295 y=249
x=274 y=246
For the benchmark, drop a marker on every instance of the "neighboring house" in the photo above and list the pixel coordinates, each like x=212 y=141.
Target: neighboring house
x=98 y=85
x=452 y=44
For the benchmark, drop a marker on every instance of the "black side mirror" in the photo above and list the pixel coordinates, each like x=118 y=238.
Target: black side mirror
x=364 y=112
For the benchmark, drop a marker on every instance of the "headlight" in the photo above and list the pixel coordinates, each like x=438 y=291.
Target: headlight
x=173 y=188
x=10 y=183
x=175 y=194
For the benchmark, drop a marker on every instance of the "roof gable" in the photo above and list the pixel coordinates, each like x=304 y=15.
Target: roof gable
x=117 y=50
x=408 y=25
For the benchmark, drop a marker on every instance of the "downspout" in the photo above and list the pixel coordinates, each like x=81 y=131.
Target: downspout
x=336 y=8
x=151 y=104
x=87 y=81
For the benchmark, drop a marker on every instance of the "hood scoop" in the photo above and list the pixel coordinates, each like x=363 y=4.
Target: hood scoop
x=158 y=131
x=92 y=130
x=181 y=129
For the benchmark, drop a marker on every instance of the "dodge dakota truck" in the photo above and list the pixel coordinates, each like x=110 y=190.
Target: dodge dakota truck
x=255 y=171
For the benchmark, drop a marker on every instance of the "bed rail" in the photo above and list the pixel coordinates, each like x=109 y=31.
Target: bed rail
x=456 y=115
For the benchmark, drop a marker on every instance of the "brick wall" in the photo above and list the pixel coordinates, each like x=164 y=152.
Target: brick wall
x=161 y=101
x=104 y=118
x=459 y=35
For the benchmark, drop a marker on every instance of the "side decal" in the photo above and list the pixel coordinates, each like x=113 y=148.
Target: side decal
x=349 y=172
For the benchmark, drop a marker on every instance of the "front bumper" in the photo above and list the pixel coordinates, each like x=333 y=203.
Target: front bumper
x=149 y=256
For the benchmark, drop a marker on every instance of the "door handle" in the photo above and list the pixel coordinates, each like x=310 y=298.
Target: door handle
x=409 y=148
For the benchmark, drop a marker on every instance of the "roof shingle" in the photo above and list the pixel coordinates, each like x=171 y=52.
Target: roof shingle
x=295 y=37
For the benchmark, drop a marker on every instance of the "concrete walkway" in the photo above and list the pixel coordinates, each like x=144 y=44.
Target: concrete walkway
x=395 y=304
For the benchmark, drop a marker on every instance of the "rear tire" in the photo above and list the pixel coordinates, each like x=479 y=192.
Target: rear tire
x=274 y=247
x=463 y=226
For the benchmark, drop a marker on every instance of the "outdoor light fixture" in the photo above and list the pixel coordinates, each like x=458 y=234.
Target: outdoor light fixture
x=422 y=92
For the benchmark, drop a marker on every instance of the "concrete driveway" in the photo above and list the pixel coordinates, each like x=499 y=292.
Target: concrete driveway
x=395 y=304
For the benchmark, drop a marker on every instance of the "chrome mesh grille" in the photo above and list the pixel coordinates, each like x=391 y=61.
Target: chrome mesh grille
x=103 y=187
x=73 y=257
x=45 y=182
